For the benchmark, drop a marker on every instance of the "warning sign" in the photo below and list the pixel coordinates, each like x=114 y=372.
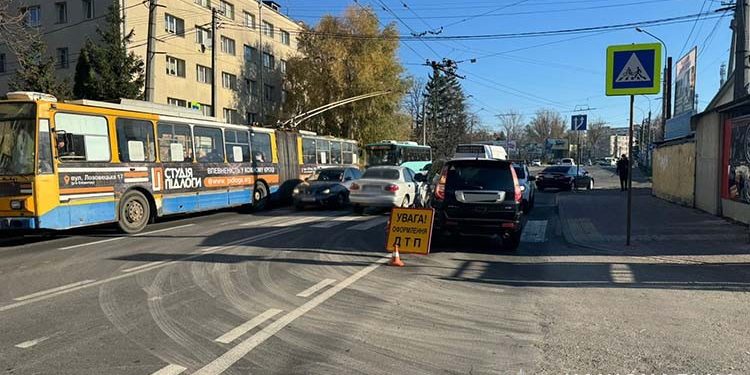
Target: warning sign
x=411 y=230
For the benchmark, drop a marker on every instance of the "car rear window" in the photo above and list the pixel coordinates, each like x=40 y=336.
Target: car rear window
x=381 y=174
x=520 y=171
x=479 y=177
x=564 y=169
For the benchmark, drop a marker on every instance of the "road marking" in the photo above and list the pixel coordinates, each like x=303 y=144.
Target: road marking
x=535 y=231
x=621 y=274
x=247 y=326
x=369 y=224
x=210 y=250
x=301 y=220
x=170 y=370
x=142 y=266
x=341 y=220
x=30 y=343
x=311 y=290
x=54 y=290
x=229 y=358
x=123 y=237
x=263 y=221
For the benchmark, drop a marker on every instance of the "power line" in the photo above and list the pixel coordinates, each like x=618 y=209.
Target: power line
x=388 y=9
x=692 y=29
x=484 y=14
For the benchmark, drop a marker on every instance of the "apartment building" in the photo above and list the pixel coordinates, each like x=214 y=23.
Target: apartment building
x=254 y=41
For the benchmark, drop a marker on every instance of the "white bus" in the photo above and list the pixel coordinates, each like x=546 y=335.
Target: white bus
x=480 y=151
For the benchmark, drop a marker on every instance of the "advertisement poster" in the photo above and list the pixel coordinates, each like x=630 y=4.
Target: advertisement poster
x=684 y=84
x=739 y=163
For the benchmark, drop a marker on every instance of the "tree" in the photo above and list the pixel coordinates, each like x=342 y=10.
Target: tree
x=413 y=104
x=105 y=70
x=13 y=31
x=447 y=118
x=36 y=72
x=331 y=68
x=546 y=124
x=597 y=137
x=512 y=125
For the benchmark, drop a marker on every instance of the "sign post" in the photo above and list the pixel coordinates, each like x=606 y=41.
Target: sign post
x=578 y=123
x=410 y=230
x=632 y=69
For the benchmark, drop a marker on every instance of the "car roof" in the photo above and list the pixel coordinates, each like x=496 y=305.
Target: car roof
x=394 y=167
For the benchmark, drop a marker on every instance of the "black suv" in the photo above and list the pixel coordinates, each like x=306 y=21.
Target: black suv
x=478 y=197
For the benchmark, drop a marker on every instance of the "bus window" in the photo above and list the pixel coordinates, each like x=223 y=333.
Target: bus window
x=135 y=139
x=335 y=152
x=324 y=151
x=175 y=143
x=45 y=148
x=209 y=147
x=238 y=147
x=88 y=137
x=261 y=146
x=308 y=151
x=348 y=153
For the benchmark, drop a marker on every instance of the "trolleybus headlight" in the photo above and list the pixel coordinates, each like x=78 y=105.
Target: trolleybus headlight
x=16 y=205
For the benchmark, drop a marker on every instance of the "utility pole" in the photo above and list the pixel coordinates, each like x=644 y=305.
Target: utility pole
x=261 y=85
x=424 y=121
x=740 y=50
x=150 y=51
x=214 y=100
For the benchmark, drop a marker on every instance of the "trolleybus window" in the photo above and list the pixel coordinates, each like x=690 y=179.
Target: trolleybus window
x=175 y=143
x=238 y=148
x=335 y=152
x=348 y=154
x=82 y=137
x=261 y=146
x=324 y=151
x=17 y=138
x=209 y=147
x=45 y=148
x=135 y=140
x=308 y=151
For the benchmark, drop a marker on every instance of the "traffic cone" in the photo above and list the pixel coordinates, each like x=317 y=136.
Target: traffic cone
x=396 y=259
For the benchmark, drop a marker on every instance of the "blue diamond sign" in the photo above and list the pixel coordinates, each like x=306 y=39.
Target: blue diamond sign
x=633 y=69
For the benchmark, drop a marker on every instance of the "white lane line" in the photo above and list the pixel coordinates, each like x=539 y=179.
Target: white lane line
x=30 y=343
x=369 y=224
x=535 y=231
x=120 y=238
x=311 y=290
x=170 y=370
x=247 y=326
x=302 y=220
x=229 y=358
x=142 y=266
x=263 y=221
x=621 y=274
x=340 y=220
x=54 y=290
x=210 y=250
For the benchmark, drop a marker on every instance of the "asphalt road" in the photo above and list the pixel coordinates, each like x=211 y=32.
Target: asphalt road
x=284 y=292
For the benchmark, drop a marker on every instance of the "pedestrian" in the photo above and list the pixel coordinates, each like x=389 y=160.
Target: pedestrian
x=622 y=171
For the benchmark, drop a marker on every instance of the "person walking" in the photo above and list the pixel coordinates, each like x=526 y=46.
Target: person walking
x=622 y=171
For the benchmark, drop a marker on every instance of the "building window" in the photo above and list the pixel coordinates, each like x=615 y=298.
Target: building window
x=230 y=116
x=174 y=25
x=268 y=92
x=227 y=9
x=204 y=3
x=209 y=145
x=229 y=81
x=207 y=109
x=175 y=143
x=285 y=37
x=268 y=61
x=135 y=140
x=227 y=46
x=61 y=9
x=204 y=74
x=63 y=60
x=177 y=102
x=250 y=53
x=238 y=145
x=249 y=20
x=267 y=29
x=2 y=63
x=252 y=118
x=252 y=87
x=203 y=36
x=88 y=8
x=175 y=67
x=33 y=16
x=282 y=66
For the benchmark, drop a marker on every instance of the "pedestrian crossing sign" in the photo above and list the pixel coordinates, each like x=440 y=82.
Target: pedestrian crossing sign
x=633 y=69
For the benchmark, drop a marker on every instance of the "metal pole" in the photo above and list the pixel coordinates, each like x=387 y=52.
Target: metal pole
x=424 y=122
x=150 y=52
x=214 y=101
x=261 y=85
x=669 y=89
x=630 y=173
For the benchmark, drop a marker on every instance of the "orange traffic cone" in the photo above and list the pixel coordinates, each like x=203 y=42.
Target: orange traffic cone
x=396 y=259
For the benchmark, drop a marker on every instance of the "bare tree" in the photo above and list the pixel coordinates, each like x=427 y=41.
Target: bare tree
x=414 y=100
x=545 y=124
x=13 y=31
x=512 y=125
x=596 y=135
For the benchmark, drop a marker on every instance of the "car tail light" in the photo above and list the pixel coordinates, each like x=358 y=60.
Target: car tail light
x=354 y=187
x=516 y=187
x=440 y=189
x=392 y=188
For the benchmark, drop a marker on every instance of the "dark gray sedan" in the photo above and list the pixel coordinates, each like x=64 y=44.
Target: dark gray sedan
x=327 y=187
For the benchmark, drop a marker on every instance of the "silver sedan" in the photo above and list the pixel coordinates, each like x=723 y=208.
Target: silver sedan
x=385 y=186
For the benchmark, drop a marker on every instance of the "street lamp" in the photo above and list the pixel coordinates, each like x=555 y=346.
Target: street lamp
x=666 y=111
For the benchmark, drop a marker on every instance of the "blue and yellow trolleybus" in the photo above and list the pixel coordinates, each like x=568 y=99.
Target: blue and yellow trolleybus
x=73 y=164
x=402 y=153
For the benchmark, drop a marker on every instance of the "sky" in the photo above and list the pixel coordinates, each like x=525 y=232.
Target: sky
x=564 y=73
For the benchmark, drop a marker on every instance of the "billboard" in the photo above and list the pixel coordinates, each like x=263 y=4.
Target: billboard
x=684 y=84
x=738 y=176
x=556 y=144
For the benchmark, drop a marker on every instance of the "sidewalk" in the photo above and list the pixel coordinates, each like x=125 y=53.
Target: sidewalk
x=597 y=220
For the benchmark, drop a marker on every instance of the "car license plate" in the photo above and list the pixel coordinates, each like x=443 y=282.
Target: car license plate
x=308 y=199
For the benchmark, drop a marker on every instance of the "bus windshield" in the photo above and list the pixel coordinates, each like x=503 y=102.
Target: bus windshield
x=16 y=139
x=382 y=155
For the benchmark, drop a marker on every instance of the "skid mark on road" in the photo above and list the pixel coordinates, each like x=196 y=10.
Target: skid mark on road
x=247 y=326
x=30 y=343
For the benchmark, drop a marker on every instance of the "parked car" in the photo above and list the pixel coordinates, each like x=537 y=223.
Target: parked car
x=536 y=163
x=327 y=187
x=478 y=197
x=567 y=161
x=386 y=186
x=564 y=177
x=528 y=188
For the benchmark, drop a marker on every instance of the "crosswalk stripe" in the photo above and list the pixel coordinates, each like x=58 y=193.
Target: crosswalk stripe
x=341 y=220
x=369 y=224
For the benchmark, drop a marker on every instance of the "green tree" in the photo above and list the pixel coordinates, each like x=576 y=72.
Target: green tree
x=36 y=71
x=332 y=67
x=105 y=69
x=447 y=118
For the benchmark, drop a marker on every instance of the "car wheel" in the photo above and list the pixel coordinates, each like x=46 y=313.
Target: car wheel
x=405 y=202
x=512 y=242
x=358 y=209
x=340 y=201
x=591 y=185
x=135 y=212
